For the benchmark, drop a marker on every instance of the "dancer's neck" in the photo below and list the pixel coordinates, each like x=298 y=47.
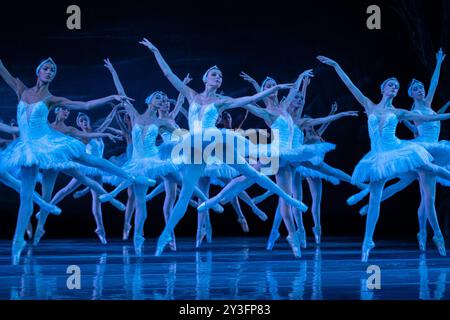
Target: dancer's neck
x=386 y=102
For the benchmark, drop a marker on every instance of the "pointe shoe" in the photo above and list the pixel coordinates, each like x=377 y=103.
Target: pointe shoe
x=118 y=205
x=17 y=247
x=101 y=235
x=38 y=236
x=199 y=238
x=364 y=210
x=422 y=239
x=138 y=241
x=272 y=239
x=302 y=237
x=357 y=197
x=126 y=232
x=216 y=208
x=300 y=205
x=440 y=244
x=244 y=225
x=173 y=244
x=143 y=180
x=294 y=242
x=317 y=234
x=366 y=247
x=163 y=240
x=260 y=214
x=50 y=208
x=30 y=233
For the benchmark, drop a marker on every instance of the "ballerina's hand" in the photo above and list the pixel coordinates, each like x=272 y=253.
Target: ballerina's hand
x=113 y=138
x=334 y=107
x=122 y=98
x=440 y=56
x=350 y=113
x=246 y=77
x=148 y=44
x=187 y=79
x=108 y=65
x=308 y=74
x=327 y=61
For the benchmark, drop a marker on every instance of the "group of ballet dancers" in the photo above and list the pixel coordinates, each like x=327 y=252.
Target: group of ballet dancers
x=39 y=151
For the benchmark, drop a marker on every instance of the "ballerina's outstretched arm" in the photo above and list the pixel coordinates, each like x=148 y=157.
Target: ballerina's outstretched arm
x=365 y=102
x=440 y=56
x=403 y=114
x=168 y=73
x=85 y=105
x=9 y=129
x=305 y=122
x=13 y=83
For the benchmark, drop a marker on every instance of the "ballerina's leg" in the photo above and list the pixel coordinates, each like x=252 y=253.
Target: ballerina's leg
x=240 y=216
x=203 y=185
x=428 y=182
x=405 y=180
x=64 y=192
x=97 y=212
x=275 y=231
x=192 y=174
x=83 y=179
x=248 y=200
x=108 y=166
x=160 y=188
x=284 y=180
x=170 y=188
x=28 y=177
x=376 y=189
x=315 y=187
x=297 y=192
x=422 y=217
x=265 y=182
x=129 y=209
x=139 y=219
x=48 y=184
x=262 y=197
x=9 y=180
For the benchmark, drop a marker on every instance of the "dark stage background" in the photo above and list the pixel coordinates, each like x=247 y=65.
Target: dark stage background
x=276 y=38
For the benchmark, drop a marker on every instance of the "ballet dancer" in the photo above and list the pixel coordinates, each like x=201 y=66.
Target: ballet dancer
x=93 y=139
x=41 y=147
x=389 y=156
x=204 y=108
x=427 y=135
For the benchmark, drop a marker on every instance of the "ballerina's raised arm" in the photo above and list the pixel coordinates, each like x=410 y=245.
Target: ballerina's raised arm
x=440 y=56
x=362 y=99
x=168 y=73
x=14 y=83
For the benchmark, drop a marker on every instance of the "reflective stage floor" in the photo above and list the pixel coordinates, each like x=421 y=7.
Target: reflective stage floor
x=229 y=268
